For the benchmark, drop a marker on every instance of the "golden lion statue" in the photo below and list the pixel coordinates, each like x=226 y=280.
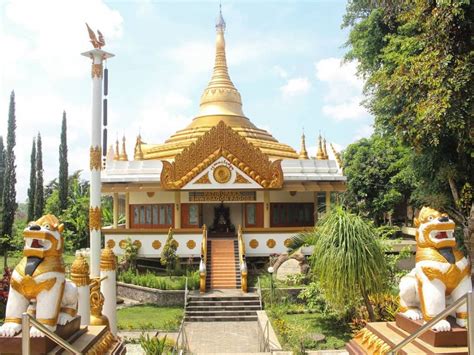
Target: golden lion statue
x=38 y=284
x=442 y=273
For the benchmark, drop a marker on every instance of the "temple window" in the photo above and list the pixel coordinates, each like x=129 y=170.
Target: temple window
x=321 y=204
x=253 y=214
x=292 y=214
x=152 y=216
x=191 y=215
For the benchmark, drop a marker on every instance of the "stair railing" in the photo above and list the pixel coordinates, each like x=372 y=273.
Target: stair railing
x=242 y=261
x=467 y=298
x=181 y=344
x=26 y=320
x=202 y=264
x=259 y=290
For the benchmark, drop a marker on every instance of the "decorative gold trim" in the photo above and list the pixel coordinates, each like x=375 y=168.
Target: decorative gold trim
x=203 y=179
x=123 y=244
x=80 y=271
x=95 y=218
x=103 y=345
x=71 y=311
x=241 y=180
x=271 y=243
x=221 y=141
x=175 y=243
x=48 y=321
x=150 y=194
x=97 y=71
x=95 y=158
x=111 y=243
x=253 y=243
x=107 y=260
x=222 y=174
x=29 y=288
x=13 y=320
x=287 y=242
x=222 y=195
x=49 y=264
x=97 y=303
x=461 y=315
x=137 y=243
x=156 y=244
x=191 y=244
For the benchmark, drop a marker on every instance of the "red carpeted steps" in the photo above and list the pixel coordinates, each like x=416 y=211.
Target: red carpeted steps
x=222 y=264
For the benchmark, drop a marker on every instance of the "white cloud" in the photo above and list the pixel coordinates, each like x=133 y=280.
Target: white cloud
x=282 y=73
x=342 y=100
x=364 y=131
x=295 y=87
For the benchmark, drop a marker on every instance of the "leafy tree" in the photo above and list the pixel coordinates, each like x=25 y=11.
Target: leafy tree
x=168 y=255
x=2 y=165
x=63 y=166
x=32 y=188
x=416 y=57
x=39 y=189
x=380 y=176
x=348 y=259
x=9 y=193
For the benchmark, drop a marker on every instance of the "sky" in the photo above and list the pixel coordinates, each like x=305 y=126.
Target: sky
x=284 y=57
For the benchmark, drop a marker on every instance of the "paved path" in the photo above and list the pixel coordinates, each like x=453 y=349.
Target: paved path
x=222 y=337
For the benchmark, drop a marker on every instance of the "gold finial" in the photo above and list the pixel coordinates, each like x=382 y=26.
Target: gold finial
x=117 y=151
x=80 y=271
x=97 y=303
x=303 y=151
x=220 y=97
x=326 y=156
x=337 y=155
x=123 y=156
x=110 y=153
x=320 y=152
x=97 y=43
x=107 y=260
x=138 y=153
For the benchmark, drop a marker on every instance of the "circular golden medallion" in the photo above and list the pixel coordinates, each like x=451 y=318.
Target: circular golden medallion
x=137 y=243
x=271 y=243
x=156 y=244
x=222 y=174
x=191 y=244
x=287 y=242
x=253 y=243
x=111 y=243
x=123 y=244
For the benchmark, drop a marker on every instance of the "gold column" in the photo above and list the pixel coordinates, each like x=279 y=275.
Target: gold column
x=177 y=209
x=328 y=201
x=127 y=210
x=266 y=209
x=80 y=271
x=116 y=209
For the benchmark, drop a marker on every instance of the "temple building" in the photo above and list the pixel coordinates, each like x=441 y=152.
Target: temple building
x=223 y=172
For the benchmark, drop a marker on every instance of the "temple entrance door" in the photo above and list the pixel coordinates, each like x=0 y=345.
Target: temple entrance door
x=222 y=224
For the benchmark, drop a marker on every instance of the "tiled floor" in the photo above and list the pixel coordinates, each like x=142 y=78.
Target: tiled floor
x=222 y=337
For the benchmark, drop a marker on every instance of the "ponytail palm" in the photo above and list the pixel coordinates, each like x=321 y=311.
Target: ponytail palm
x=348 y=259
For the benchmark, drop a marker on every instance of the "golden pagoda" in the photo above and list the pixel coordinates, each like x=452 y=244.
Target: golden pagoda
x=220 y=101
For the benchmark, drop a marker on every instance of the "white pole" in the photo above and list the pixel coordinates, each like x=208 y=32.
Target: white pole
x=108 y=287
x=97 y=56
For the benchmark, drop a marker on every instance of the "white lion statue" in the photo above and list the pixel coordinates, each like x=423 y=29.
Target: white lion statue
x=38 y=284
x=442 y=273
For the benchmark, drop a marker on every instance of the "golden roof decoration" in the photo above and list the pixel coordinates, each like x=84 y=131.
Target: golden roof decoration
x=117 y=151
x=303 y=151
x=220 y=101
x=123 y=156
x=325 y=151
x=320 y=153
x=221 y=141
x=337 y=156
x=138 y=153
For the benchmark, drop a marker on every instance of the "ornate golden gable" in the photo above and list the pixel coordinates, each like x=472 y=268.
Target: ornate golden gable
x=221 y=141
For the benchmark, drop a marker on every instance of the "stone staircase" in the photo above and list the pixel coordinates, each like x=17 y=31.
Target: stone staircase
x=222 y=264
x=222 y=307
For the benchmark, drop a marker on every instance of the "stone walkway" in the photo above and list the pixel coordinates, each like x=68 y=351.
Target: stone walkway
x=222 y=337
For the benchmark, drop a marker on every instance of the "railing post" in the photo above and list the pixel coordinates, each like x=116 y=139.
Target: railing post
x=25 y=334
x=470 y=322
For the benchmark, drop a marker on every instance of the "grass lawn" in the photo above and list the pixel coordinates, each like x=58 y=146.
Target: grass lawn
x=292 y=329
x=144 y=317
x=14 y=259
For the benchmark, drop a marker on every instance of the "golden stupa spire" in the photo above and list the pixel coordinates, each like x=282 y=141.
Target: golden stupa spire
x=123 y=155
x=220 y=97
x=320 y=152
x=117 y=151
x=337 y=155
x=303 y=152
x=325 y=151
x=138 y=153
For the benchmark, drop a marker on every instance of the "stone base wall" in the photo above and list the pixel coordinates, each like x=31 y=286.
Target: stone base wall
x=151 y=295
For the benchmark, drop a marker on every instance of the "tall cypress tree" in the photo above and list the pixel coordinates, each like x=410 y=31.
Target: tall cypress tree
x=63 y=166
x=32 y=189
x=2 y=166
x=9 y=193
x=39 y=190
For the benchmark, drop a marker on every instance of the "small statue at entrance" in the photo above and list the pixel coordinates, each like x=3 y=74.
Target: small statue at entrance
x=442 y=273
x=38 y=283
x=222 y=222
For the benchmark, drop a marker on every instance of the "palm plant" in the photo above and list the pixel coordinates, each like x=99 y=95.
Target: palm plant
x=348 y=259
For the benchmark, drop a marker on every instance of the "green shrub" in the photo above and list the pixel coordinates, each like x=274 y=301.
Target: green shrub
x=156 y=345
x=151 y=280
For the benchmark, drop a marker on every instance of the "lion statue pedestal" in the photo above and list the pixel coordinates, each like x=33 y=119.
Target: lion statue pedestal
x=442 y=275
